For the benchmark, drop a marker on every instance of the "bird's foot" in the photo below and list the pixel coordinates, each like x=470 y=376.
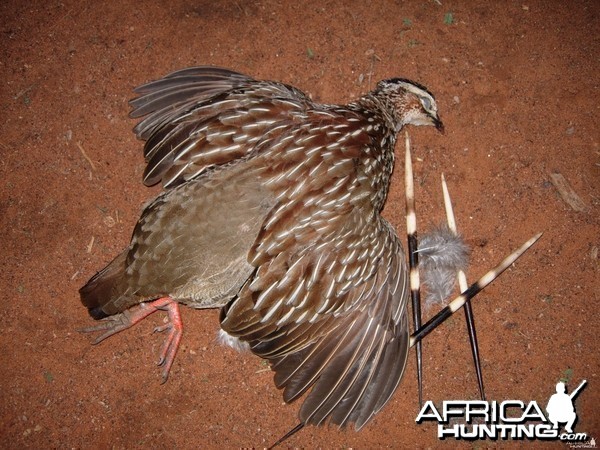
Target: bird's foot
x=174 y=327
x=119 y=322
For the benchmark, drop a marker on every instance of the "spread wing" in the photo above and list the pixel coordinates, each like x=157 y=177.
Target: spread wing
x=202 y=117
x=327 y=303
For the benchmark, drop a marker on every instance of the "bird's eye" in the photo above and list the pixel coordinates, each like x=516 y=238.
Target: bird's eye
x=426 y=103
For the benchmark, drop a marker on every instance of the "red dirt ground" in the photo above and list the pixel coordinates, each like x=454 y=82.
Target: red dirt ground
x=517 y=86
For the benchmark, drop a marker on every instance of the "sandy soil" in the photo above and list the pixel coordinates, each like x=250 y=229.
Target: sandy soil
x=517 y=86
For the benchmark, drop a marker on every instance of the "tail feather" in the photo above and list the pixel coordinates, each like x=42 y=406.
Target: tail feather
x=99 y=293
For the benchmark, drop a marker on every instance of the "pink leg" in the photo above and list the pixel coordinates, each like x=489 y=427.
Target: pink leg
x=171 y=345
x=119 y=322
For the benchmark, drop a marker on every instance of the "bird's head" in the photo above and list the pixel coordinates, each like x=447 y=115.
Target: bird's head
x=409 y=102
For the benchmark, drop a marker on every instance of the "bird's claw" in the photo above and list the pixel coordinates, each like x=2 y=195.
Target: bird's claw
x=119 y=322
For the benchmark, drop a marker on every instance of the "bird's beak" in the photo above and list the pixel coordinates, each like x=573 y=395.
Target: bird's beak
x=438 y=124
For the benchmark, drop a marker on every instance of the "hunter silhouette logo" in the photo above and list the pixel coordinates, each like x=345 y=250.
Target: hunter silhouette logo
x=509 y=419
x=560 y=407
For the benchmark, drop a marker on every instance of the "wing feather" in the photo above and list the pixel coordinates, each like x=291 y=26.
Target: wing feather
x=204 y=117
x=352 y=362
x=327 y=304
